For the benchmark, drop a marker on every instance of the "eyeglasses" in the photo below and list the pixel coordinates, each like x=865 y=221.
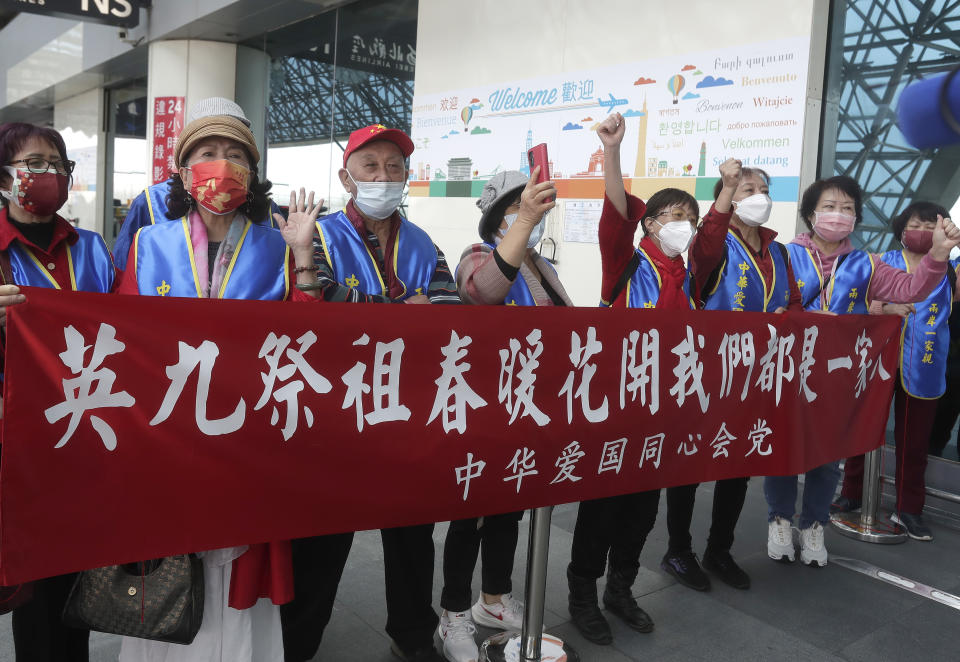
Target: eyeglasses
x=38 y=165
x=678 y=214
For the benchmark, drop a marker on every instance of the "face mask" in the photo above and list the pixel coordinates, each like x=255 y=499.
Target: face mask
x=38 y=193
x=219 y=186
x=377 y=200
x=917 y=241
x=754 y=210
x=675 y=237
x=535 y=236
x=833 y=226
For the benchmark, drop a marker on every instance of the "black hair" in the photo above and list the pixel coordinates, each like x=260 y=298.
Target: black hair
x=666 y=198
x=925 y=211
x=744 y=173
x=811 y=197
x=256 y=208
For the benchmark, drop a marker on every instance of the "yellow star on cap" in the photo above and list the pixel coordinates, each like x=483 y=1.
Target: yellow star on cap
x=378 y=128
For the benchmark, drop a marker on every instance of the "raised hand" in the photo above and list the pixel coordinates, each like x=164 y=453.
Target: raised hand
x=611 y=130
x=945 y=236
x=731 y=171
x=533 y=203
x=298 y=228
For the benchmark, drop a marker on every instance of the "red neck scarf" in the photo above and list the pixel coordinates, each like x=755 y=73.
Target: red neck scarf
x=672 y=275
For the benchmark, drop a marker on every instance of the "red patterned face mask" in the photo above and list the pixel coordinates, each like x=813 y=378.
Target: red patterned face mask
x=38 y=193
x=219 y=186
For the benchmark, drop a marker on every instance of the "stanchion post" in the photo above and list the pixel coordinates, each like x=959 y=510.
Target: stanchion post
x=865 y=525
x=530 y=639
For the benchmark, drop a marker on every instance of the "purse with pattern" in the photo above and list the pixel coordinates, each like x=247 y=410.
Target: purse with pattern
x=160 y=599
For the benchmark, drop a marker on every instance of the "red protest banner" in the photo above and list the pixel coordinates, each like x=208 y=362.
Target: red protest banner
x=167 y=124
x=140 y=427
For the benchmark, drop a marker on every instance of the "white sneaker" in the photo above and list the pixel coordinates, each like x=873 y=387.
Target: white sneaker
x=780 y=541
x=812 y=549
x=504 y=615
x=456 y=632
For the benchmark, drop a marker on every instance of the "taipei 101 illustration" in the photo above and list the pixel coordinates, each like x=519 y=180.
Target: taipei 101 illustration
x=641 y=167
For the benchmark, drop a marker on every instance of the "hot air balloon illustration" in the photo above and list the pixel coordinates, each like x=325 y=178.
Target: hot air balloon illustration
x=675 y=85
x=467 y=113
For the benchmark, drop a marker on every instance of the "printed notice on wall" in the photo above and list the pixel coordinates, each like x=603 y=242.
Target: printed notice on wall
x=581 y=219
x=684 y=116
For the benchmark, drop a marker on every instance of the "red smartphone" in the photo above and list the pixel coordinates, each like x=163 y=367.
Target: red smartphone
x=537 y=156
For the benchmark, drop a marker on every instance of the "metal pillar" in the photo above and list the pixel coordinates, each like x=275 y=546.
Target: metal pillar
x=865 y=525
x=531 y=645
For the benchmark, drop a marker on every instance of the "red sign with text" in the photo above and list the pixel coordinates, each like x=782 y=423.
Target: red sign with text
x=167 y=124
x=139 y=427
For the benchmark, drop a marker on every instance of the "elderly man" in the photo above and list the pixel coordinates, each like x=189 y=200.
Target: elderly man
x=150 y=206
x=369 y=253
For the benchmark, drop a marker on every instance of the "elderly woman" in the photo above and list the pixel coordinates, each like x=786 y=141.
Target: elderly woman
x=504 y=269
x=833 y=276
x=215 y=251
x=40 y=248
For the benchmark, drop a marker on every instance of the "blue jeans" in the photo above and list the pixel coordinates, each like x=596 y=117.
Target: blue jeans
x=819 y=487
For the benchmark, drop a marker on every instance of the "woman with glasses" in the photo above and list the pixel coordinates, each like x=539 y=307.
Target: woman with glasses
x=746 y=269
x=40 y=248
x=651 y=275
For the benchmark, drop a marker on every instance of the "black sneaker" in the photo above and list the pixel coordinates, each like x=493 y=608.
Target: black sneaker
x=723 y=566
x=913 y=525
x=425 y=654
x=686 y=569
x=844 y=504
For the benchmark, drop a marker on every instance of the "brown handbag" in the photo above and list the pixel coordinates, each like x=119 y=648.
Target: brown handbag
x=160 y=599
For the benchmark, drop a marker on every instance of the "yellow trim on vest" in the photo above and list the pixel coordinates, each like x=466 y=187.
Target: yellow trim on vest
x=146 y=194
x=73 y=275
x=286 y=273
x=193 y=260
x=42 y=268
x=323 y=242
x=233 y=261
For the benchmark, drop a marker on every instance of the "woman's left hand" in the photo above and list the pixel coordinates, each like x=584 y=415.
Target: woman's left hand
x=298 y=228
x=945 y=236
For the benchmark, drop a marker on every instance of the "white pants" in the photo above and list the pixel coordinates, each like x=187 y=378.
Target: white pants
x=227 y=634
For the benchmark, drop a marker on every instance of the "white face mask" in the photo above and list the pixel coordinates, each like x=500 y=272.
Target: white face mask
x=675 y=237
x=535 y=236
x=378 y=200
x=754 y=210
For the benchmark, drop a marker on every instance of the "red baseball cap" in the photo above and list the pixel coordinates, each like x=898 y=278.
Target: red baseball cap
x=367 y=134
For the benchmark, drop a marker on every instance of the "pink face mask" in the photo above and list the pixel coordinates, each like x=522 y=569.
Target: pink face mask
x=918 y=241
x=833 y=226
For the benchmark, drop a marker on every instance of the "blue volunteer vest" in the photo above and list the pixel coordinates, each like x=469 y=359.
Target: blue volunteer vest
x=165 y=264
x=91 y=267
x=847 y=290
x=643 y=288
x=925 y=338
x=414 y=257
x=519 y=294
x=741 y=285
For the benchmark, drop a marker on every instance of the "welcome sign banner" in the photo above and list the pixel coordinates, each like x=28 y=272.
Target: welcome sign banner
x=684 y=115
x=140 y=427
